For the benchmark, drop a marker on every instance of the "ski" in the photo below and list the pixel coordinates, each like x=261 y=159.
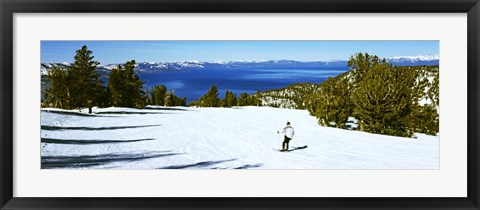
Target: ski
x=302 y=147
x=279 y=150
x=292 y=149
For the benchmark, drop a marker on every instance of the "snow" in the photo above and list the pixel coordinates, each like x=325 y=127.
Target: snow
x=416 y=58
x=221 y=138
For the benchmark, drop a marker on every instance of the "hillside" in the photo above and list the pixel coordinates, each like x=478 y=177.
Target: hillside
x=218 y=138
x=291 y=97
x=297 y=96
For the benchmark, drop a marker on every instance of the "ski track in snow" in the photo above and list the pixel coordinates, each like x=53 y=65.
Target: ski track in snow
x=220 y=138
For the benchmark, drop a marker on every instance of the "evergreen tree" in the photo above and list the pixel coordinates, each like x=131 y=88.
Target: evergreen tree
x=194 y=103
x=182 y=101
x=84 y=83
x=147 y=99
x=244 y=100
x=157 y=94
x=57 y=95
x=434 y=91
x=424 y=119
x=135 y=96
x=125 y=87
x=383 y=100
x=361 y=64
x=229 y=100
x=258 y=98
x=116 y=86
x=210 y=99
x=168 y=100
x=332 y=103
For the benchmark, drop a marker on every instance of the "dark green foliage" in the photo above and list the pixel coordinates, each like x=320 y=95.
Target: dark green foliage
x=115 y=86
x=125 y=87
x=229 y=100
x=294 y=96
x=103 y=97
x=172 y=100
x=424 y=119
x=210 y=99
x=332 y=103
x=361 y=64
x=384 y=98
x=84 y=85
x=57 y=94
x=77 y=86
x=245 y=100
x=194 y=103
x=258 y=98
x=433 y=92
x=160 y=96
x=157 y=95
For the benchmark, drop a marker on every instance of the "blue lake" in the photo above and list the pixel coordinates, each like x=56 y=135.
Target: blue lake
x=195 y=83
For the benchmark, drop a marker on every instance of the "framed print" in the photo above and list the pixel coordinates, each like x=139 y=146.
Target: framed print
x=239 y=105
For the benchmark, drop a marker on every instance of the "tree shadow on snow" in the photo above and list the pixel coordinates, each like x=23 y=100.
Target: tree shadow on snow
x=88 y=141
x=166 y=108
x=55 y=128
x=74 y=113
x=248 y=166
x=49 y=162
x=129 y=112
x=203 y=164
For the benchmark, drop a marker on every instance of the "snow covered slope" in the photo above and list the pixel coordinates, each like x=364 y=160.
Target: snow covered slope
x=220 y=138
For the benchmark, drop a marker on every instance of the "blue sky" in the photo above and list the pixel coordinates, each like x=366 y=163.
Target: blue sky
x=108 y=52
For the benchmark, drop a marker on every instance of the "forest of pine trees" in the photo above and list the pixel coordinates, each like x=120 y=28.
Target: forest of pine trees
x=211 y=99
x=78 y=86
x=384 y=98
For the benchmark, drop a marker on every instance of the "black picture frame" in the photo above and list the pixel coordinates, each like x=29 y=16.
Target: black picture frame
x=9 y=7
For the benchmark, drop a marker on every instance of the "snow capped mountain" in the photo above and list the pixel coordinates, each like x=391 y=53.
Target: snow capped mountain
x=162 y=66
x=414 y=60
x=44 y=67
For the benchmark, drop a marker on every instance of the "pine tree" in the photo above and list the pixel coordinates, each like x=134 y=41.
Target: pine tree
x=434 y=91
x=116 y=86
x=361 y=64
x=332 y=104
x=229 y=100
x=135 y=96
x=147 y=100
x=258 y=98
x=210 y=99
x=244 y=100
x=168 y=100
x=158 y=94
x=383 y=100
x=424 y=119
x=57 y=95
x=125 y=87
x=84 y=83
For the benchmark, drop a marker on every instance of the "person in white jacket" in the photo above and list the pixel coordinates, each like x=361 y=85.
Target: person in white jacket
x=289 y=132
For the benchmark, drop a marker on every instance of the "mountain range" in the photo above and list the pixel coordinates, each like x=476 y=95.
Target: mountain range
x=156 y=67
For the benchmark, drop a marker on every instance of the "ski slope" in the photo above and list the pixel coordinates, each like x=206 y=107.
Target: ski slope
x=218 y=138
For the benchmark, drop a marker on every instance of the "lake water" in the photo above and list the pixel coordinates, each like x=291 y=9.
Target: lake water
x=195 y=83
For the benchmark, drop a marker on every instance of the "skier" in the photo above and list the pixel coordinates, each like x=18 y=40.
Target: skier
x=288 y=130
